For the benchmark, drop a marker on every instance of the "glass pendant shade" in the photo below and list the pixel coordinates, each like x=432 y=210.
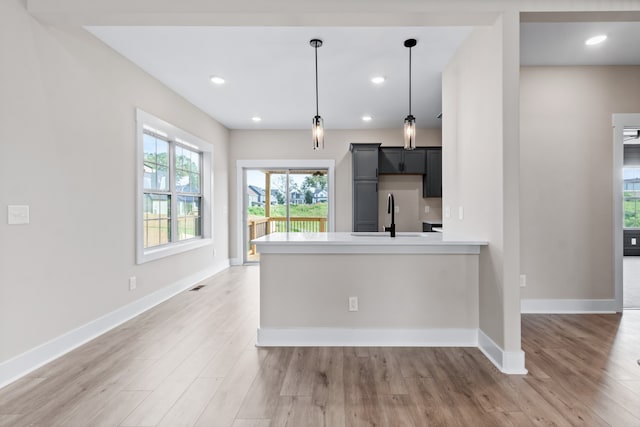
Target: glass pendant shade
x=318 y=133
x=409 y=132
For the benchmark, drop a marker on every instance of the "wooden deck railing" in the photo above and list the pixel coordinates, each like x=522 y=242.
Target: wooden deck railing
x=259 y=227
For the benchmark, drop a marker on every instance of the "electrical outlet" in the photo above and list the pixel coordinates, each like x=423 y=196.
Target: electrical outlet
x=523 y=280
x=460 y=212
x=132 y=283
x=397 y=209
x=447 y=212
x=353 y=303
x=426 y=209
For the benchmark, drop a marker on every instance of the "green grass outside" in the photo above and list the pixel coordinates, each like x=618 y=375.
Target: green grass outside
x=315 y=210
x=631 y=213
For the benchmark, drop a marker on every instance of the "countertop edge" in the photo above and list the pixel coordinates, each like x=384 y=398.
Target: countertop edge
x=345 y=243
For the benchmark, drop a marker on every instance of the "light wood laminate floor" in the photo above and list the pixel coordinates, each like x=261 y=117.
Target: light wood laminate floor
x=191 y=361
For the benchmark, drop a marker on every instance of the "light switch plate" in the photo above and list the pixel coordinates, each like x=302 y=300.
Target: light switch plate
x=17 y=214
x=426 y=209
x=447 y=212
x=353 y=303
x=460 y=212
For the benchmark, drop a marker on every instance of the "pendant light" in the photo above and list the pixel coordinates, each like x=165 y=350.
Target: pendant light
x=317 y=124
x=410 y=121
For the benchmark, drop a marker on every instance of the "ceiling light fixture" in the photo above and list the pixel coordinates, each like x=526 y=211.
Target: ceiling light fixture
x=596 y=40
x=317 y=128
x=216 y=80
x=410 y=121
x=367 y=118
x=378 y=80
x=256 y=119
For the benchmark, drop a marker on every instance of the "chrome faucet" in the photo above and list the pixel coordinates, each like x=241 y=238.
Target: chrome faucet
x=391 y=208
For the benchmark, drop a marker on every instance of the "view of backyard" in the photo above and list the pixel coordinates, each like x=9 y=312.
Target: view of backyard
x=269 y=193
x=631 y=209
x=631 y=197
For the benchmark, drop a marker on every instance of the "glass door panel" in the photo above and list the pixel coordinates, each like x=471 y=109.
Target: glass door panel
x=289 y=200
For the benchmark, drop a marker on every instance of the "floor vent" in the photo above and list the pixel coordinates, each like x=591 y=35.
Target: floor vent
x=197 y=288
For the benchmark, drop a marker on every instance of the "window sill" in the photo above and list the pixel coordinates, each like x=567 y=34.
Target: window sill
x=172 y=249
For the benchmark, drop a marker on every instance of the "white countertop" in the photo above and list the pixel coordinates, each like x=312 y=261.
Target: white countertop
x=365 y=243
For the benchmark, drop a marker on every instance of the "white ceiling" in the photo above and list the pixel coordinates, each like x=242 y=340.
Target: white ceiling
x=270 y=73
x=563 y=43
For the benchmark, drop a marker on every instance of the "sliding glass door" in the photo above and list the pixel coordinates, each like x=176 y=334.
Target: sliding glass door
x=284 y=200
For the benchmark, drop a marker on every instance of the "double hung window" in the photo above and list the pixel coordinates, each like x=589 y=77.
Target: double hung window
x=174 y=191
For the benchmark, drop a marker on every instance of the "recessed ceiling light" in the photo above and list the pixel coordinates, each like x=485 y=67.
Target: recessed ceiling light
x=216 y=80
x=256 y=119
x=367 y=118
x=378 y=80
x=595 y=40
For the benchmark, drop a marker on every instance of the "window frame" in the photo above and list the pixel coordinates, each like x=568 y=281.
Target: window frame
x=176 y=137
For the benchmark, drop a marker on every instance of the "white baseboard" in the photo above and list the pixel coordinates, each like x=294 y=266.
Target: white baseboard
x=509 y=362
x=235 y=261
x=30 y=360
x=346 y=337
x=557 y=306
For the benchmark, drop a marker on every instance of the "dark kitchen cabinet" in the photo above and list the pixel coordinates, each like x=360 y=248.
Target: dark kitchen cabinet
x=432 y=179
x=397 y=160
x=364 y=158
x=365 y=205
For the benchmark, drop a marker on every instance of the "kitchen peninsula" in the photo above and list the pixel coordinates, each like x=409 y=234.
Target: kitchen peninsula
x=367 y=289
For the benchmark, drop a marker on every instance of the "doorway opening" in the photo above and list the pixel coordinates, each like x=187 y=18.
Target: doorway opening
x=283 y=196
x=627 y=210
x=289 y=200
x=631 y=224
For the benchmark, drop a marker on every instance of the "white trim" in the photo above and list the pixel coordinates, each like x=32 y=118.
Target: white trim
x=568 y=306
x=21 y=365
x=619 y=121
x=235 y=261
x=173 y=133
x=173 y=249
x=508 y=362
x=241 y=165
x=347 y=337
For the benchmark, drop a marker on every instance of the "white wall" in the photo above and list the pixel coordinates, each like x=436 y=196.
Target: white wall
x=67 y=114
x=407 y=195
x=406 y=291
x=296 y=144
x=477 y=151
x=566 y=177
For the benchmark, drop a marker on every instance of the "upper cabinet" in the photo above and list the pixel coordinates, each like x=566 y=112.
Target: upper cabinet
x=365 y=161
x=397 y=160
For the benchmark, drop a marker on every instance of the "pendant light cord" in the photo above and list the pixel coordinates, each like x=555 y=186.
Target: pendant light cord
x=409 y=81
x=316 y=49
